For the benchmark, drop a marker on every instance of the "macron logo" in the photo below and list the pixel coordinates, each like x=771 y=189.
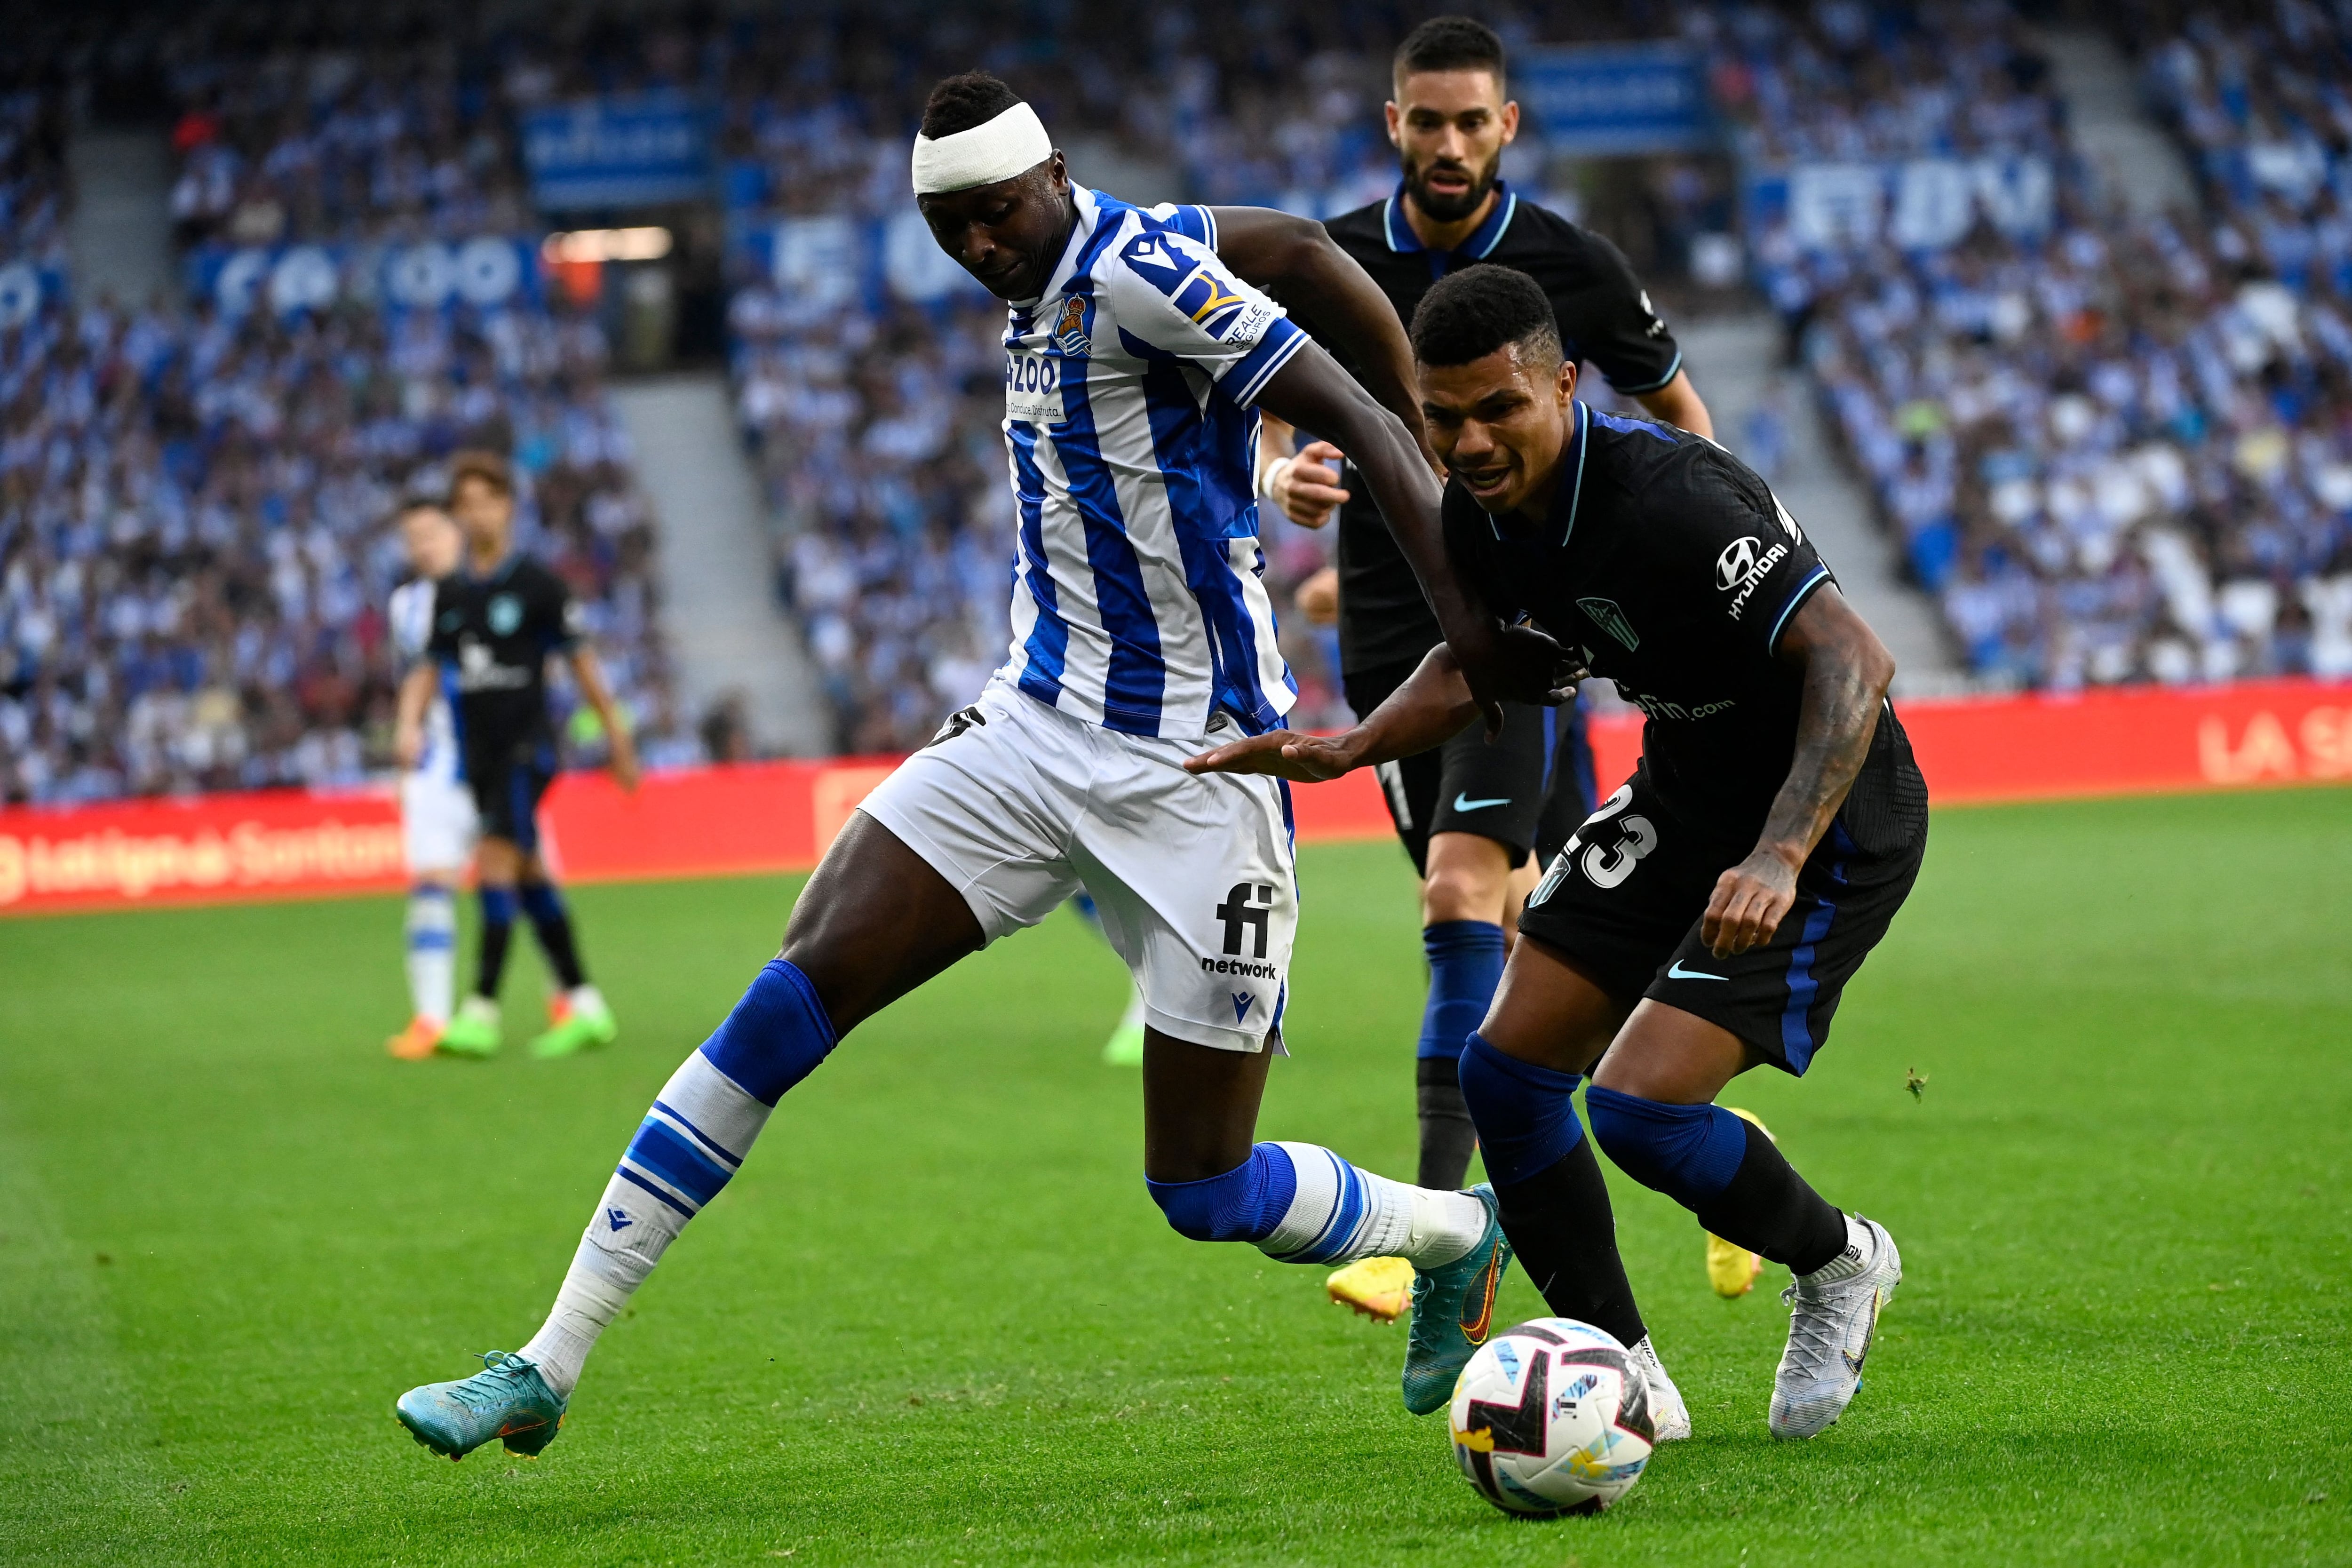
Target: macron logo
x=619 y=1219
x=1243 y=1002
x=1150 y=253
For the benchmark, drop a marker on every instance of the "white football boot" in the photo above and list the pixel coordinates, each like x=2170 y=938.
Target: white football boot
x=1830 y=1329
x=1668 y=1415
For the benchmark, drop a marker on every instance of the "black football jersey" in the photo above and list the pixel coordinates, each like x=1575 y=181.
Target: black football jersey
x=1604 y=317
x=1671 y=569
x=495 y=633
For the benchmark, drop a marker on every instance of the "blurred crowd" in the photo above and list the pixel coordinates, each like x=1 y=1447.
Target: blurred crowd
x=2113 y=447
x=2117 y=449
x=194 y=551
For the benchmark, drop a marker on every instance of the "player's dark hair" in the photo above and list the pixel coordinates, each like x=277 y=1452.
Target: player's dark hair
x=486 y=466
x=1450 y=44
x=1471 y=314
x=962 y=102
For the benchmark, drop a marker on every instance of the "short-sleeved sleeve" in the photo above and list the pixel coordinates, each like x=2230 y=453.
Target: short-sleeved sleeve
x=1172 y=295
x=1726 y=536
x=564 y=620
x=441 y=622
x=1614 y=325
x=1195 y=223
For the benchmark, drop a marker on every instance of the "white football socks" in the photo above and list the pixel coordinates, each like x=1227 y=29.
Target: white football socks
x=685 y=1151
x=1861 y=1249
x=1340 y=1212
x=432 y=951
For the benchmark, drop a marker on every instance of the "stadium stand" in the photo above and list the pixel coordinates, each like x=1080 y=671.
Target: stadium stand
x=2113 y=448
x=192 y=558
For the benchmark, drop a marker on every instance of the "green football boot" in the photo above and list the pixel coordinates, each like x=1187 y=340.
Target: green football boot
x=586 y=1024
x=506 y=1399
x=1453 y=1312
x=474 y=1032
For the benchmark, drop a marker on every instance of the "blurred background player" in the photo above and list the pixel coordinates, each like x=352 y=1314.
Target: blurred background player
x=496 y=621
x=1476 y=816
x=437 y=820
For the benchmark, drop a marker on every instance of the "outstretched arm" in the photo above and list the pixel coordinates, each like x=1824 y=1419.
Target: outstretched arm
x=1311 y=391
x=1430 y=708
x=1846 y=673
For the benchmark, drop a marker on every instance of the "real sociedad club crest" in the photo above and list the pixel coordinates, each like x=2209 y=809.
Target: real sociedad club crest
x=1070 y=332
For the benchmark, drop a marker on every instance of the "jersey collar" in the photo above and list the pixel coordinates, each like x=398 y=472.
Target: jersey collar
x=1090 y=216
x=1571 y=458
x=1477 y=248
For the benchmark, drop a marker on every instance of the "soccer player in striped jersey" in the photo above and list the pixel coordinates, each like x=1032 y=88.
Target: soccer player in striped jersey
x=1139 y=347
x=437 y=822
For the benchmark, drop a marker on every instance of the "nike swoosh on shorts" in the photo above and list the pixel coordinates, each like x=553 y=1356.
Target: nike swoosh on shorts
x=1462 y=801
x=1679 y=972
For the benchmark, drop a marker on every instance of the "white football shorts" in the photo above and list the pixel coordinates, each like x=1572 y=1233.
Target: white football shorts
x=437 y=824
x=1023 y=806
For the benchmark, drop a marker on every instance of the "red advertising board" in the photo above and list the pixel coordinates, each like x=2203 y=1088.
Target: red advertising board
x=778 y=816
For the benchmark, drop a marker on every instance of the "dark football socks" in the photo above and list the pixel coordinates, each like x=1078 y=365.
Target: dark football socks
x=552 y=923
x=498 y=929
x=1447 y=1138
x=1724 y=1170
x=1565 y=1236
x=1554 y=1202
x=1466 y=964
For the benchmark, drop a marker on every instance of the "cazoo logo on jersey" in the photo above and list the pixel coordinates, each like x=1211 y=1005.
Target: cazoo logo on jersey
x=1744 y=564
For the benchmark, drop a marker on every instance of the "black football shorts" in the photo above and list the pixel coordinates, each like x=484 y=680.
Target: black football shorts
x=1527 y=791
x=508 y=784
x=1622 y=902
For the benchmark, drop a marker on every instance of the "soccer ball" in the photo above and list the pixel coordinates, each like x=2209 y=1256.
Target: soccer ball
x=1551 y=1418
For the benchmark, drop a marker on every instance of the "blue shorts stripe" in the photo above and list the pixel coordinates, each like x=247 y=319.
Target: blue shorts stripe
x=659 y=1148
x=1796 y=1022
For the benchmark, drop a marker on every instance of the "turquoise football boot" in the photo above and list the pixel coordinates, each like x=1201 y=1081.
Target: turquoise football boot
x=1453 y=1312
x=506 y=1399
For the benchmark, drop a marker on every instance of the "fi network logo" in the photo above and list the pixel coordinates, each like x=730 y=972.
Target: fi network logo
x=1247 y=907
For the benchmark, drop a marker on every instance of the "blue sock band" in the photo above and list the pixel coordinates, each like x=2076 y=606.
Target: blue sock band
x=1526 y=1115
x=1466 y=964
x=1690 y=1152
x=541 y=902
x=775 y=1037
x=498 y=906
x=1243 y=1205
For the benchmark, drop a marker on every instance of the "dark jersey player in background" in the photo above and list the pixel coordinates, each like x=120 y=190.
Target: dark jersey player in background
x=1706 y=920
x=496 y=623
x=1469 y=811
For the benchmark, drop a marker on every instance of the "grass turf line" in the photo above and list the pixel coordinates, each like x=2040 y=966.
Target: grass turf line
x=936 y=1320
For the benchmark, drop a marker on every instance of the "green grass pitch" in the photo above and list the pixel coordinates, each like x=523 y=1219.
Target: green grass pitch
x=936 y=1321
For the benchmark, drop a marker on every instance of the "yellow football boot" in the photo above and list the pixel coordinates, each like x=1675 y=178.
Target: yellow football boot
x=1731 y=1269
x=1379 y=1287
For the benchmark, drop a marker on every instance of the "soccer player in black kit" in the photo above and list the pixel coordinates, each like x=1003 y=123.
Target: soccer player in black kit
x=1706 y=919
x=496 y=621
x=1468 y=812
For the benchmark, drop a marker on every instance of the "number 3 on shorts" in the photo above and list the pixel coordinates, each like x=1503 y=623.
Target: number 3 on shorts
x=1606 y=866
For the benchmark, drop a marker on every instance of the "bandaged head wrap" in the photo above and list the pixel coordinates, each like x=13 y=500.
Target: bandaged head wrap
x=1013 y=144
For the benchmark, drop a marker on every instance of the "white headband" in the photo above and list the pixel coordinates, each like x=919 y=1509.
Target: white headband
x=1012 y=144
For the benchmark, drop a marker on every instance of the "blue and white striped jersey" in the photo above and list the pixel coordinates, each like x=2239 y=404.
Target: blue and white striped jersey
x=1139 y=599
x=412 y=628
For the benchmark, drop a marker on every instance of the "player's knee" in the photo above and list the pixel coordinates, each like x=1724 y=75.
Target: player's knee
x=541 y=901
x=1243 y=1204
x=1525 y=1114
x=1690 y=1152
x=1468 y=878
